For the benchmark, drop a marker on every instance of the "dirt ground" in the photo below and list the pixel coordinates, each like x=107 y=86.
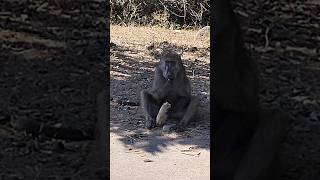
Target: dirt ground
x=52 y=60
x=147 y=153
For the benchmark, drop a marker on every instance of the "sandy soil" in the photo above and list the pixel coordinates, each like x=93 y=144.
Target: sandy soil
x=177 y=161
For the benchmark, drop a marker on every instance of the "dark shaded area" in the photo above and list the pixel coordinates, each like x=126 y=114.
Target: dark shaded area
x=52 y=68
x=283 y=37
x=243 y=133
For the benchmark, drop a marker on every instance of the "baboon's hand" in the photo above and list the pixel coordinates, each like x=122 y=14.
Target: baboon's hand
x=162 y=115
x=162 y=91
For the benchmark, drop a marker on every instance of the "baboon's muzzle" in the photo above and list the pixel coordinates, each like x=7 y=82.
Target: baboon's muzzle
x=170 y=77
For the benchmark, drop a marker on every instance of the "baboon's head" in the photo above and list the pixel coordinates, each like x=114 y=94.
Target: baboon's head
x=171 y=65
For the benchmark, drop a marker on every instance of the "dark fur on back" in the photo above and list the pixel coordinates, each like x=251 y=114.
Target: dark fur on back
x=235 y=77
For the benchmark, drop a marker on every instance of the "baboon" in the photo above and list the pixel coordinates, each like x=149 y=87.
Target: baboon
x=101 y=128
x=99 y=152
x=235 y=73
x=246 y=138
x=171 y=90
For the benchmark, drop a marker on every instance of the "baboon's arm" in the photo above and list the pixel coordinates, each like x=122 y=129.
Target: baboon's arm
x=264 y=145
x=182 y=102
x=180 y=107
x=160 y=92
x=160 y=86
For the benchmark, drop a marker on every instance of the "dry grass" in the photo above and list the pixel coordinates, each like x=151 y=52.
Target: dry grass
x=142 y=35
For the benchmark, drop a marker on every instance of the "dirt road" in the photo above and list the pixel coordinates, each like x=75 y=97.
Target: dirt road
x=175 y=161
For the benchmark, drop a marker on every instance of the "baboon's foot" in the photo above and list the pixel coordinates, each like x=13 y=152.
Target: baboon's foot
x=180 y=128
x=169 y=127
x=150 y=123
x=183 y=124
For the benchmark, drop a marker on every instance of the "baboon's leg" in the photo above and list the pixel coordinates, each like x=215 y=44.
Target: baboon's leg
x=263 y=148
x=229 y=145
x=218 y=115
x=225 y=168
x=150 y=107
x=98 y=156
x=190 y=112
x=102 y=128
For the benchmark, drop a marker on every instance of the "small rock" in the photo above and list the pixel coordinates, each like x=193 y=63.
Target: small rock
x=204 y=32
x=168 y=127
x=58 y=125
x=147 y=160
x=193 y=49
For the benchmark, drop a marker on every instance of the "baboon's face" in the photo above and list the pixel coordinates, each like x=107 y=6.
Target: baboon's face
x=170 y=69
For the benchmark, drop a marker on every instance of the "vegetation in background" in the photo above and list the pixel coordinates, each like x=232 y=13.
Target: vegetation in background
x=164 y=13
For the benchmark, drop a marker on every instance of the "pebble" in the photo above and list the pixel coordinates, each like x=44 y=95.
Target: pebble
x=168 y=127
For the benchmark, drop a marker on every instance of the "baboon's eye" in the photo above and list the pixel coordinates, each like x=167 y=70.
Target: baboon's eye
x=170 y=63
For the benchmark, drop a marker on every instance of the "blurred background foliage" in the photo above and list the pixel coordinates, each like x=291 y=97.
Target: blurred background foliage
x=164 y=13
